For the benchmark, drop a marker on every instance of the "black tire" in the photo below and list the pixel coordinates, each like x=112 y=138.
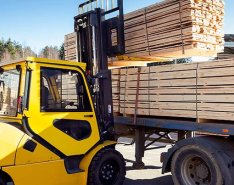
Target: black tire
x=107 y=168
x=3 y=180
x=195 y=165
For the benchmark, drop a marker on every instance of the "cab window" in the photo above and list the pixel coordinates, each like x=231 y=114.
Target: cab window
x=63 y=90
x=9 y=89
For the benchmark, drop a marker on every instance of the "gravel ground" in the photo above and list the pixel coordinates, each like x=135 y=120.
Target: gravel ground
x=151 y=175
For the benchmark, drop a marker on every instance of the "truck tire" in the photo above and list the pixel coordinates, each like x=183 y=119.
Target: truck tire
x=107 y=168
x=195 y=165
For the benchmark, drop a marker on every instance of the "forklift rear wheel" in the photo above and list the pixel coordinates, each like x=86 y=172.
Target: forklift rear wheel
x=107 y=168
x=195 y=165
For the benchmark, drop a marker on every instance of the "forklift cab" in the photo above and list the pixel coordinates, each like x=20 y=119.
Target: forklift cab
x=65 y=107
x=48 y=127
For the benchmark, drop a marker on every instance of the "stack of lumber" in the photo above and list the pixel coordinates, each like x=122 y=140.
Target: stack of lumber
x=163 y=91
x=229 y=38
x=116 y=89
x=70 y=46
x=176 y=28
x=225 y=56
x=8 y=101
x=215 y=92
x=228 y=52
x=195 y=90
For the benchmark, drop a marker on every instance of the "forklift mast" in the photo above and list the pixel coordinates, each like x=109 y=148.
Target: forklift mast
x=100 y=34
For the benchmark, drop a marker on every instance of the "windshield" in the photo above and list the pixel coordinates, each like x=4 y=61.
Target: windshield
x=9 y=87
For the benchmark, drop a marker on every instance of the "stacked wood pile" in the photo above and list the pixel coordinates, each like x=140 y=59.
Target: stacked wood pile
x=229 y=47
x=176 y=28
x=196 y=90
x=229 y=37
x=215 y=92
x=70 y=47
x=225 y=55
x=116 y=89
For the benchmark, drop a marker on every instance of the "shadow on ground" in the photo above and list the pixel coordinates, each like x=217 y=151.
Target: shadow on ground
x=145 y=167
x=159 y=181
x=130 y=168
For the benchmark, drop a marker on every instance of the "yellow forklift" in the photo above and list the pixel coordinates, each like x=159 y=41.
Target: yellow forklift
x=56 y=117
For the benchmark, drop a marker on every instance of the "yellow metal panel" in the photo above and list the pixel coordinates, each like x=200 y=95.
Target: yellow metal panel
x=46 y=173
x=53 y=172
x=9 y=140
x=57 y=62
x=40 y=154
x=45 y=128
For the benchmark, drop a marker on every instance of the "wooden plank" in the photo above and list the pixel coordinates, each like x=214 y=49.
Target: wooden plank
x=173 y=113
x=173 y=75
x=177 y=67
x=221 y=107
x=216 y=81
x=160 y=98
x=170 y=83
x=222 y=98
x=162 y=105
x=216 y=90
x=214 y=115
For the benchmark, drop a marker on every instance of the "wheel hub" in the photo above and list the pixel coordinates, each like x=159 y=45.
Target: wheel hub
x=195 y=171
x=109 y=173
x=202 y=171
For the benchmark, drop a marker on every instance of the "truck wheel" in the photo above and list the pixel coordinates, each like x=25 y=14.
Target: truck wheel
x=195 y=165
x=107 y=168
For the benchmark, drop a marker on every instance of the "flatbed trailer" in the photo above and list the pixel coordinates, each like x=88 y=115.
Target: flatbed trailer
x=214 y=146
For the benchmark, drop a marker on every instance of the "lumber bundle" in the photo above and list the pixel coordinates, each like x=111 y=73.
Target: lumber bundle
x=116 y=89
x=8 y=105
x=176 y=28
x=225 y=56
x=195 y=90
x=215 y=94
x=70 y=46
x=228 y=51
x=162 y=91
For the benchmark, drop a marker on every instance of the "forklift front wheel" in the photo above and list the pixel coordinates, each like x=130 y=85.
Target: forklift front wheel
x=3 y=179
x=107 y=168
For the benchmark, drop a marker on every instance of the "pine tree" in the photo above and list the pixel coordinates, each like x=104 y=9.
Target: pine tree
x=62 y=52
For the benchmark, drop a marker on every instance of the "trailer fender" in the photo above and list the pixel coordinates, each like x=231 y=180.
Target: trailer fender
x=221 y=148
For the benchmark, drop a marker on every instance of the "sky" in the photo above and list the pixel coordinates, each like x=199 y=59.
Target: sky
x=38 y=23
